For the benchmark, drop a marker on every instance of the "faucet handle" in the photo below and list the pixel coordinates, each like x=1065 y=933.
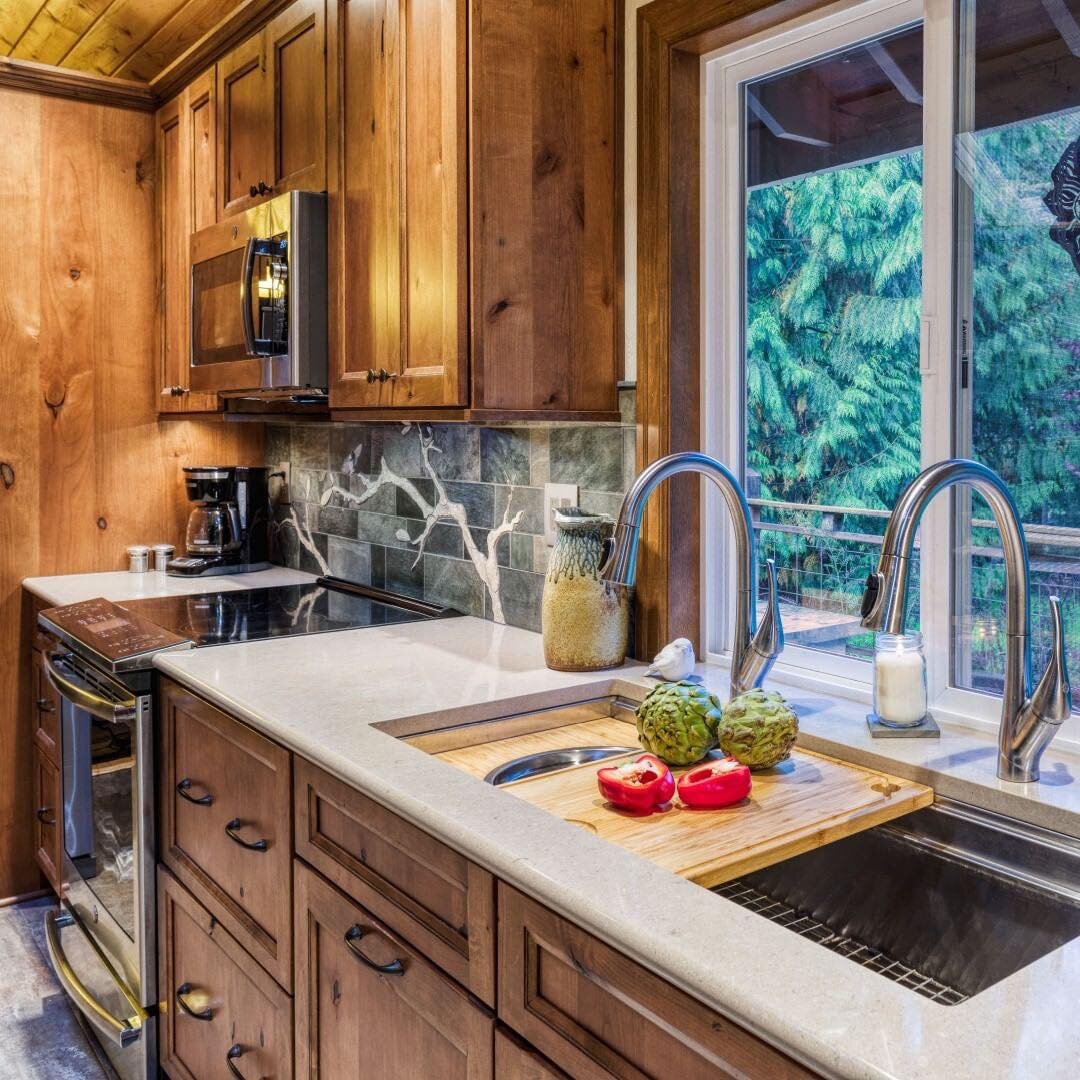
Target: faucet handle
x=766 y=645
x=1051 y=699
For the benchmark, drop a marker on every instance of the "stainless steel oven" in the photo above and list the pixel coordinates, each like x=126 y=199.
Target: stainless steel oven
x=259 y=299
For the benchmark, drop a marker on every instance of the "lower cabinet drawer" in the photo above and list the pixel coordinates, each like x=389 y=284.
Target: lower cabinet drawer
x=597 y=1014
x=367 y=1005
x=46 y=710
x=217 y=1006
x=515 y=1060
x=438 y=900
x=47 y=812
x=226 y=823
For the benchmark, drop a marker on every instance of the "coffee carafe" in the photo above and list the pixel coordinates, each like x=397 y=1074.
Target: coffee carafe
x=228 y=530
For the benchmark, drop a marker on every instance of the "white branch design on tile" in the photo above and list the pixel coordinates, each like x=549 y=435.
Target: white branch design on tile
x=444 y=508
x=307 y=541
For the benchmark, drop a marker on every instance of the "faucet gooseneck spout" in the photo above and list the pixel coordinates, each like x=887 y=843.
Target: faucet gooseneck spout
x=755 y=648
x=1029 y=718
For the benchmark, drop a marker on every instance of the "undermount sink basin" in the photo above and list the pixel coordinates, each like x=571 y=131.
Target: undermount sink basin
x=947 y=901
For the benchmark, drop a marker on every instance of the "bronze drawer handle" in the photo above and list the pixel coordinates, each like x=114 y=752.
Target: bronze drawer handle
x=195 y=1014
x=42 y=812
x=251 y=845
x=45 y=705
x=234 y=1052
x=182 y=790
x=353 y=935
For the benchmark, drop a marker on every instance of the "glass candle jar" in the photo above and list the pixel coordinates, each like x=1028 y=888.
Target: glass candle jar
x=899 y=680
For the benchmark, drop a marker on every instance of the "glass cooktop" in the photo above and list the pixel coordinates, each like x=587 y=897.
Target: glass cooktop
x=219 y=618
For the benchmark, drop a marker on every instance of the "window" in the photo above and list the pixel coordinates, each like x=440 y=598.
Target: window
x=889 y=282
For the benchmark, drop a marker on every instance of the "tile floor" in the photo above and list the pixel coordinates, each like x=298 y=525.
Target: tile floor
x=41 y=1035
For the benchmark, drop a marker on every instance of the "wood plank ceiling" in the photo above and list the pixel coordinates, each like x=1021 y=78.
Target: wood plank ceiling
x=129 y=39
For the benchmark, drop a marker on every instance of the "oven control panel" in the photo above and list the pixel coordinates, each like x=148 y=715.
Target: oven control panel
x=111 y=631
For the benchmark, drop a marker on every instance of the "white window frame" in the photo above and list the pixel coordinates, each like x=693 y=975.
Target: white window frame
x=723 y=376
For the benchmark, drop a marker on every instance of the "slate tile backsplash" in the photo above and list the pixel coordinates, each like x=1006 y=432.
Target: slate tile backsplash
x=451 y=513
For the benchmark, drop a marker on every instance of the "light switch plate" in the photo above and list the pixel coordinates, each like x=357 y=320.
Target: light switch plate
x=279 y=485
x=556 y=496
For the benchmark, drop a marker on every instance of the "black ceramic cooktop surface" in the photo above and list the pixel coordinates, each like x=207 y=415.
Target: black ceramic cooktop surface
x=218 y=618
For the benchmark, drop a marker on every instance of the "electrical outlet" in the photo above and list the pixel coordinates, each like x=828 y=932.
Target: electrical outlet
x=556 y=496
x=279 y=486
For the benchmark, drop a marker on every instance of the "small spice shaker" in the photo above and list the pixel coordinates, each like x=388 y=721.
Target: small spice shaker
x=162 y=554
x=138 y=558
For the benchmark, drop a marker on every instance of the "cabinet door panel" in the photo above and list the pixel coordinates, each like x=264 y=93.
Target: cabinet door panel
x=200 y=100
x=47 y=811
x=352 y=1020
x=245 y=125
x=236 y=1003
x=46 y=711
x=296 y=47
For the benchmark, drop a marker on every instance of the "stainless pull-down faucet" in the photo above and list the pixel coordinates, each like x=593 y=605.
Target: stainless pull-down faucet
x=755 y=649
x=1029 y=718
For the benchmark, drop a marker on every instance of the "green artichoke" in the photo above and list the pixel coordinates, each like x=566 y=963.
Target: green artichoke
x=758 y=728
x=677 y=722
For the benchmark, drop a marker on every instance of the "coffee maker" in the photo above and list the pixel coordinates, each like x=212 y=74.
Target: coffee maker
x=228 y=530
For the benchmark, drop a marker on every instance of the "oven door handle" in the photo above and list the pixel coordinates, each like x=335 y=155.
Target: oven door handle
x=81 y=694
x=247 y=318
x=120 y=1031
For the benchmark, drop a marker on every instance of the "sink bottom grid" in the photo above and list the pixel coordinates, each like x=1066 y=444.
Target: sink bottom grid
x=806 y=926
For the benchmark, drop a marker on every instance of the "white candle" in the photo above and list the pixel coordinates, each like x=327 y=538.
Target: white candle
x=900 y=687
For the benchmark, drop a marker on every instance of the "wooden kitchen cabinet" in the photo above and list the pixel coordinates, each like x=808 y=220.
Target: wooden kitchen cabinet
x=435 y=898
x=598 y=1014
x=226 y=823
x=45 y=707
x=186 y=148
x=398 y=213
x=516 y=1060
x=367 y=1005
x=48 y=799
x=272 y=109
x=216 y=1002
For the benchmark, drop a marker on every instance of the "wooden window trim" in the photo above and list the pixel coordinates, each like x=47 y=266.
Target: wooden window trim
x=672 y=37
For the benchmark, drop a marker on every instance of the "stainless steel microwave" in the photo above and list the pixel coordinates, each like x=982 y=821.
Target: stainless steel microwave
x=259 y=300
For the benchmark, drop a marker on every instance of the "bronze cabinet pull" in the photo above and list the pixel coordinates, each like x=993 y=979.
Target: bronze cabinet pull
x=195 y=1014
x=45 y=705
x=352 y=936
x=234 y=1052
x=202 y=800
x=251 y=845
x=42 y=814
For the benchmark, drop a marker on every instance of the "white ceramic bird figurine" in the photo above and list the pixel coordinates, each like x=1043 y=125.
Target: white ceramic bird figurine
x=673 y=662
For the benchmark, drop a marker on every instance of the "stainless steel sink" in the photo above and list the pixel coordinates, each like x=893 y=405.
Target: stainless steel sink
x=547 y=761
x=947 y=901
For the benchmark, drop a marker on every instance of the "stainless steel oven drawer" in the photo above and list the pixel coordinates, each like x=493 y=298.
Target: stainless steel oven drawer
x=125 y=1030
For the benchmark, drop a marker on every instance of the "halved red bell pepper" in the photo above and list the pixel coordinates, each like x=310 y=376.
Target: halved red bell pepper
x=640 y=785
x=714 y=784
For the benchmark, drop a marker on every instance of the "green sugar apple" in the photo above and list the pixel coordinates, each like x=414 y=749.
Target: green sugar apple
x=677 y=722
x=758 y=728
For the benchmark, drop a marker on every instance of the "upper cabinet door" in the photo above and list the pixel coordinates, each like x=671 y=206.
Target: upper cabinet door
x=271 y=109
x=296 y=54
x=546 y=208
x=398 y=210
x=200 y=104
x=245 y=127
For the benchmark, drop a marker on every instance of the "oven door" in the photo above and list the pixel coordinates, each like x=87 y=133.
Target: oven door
x=240 y=301
x=103 y=946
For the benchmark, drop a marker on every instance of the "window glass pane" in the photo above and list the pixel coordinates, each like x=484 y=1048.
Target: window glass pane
x=833 y=280
x=1018 y=246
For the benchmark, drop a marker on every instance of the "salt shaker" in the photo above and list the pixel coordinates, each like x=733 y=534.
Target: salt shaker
x=162 y=554
x=138 y=558
x=899 y=680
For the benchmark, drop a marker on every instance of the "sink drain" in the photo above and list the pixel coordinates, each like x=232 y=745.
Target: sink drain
x=806 y=926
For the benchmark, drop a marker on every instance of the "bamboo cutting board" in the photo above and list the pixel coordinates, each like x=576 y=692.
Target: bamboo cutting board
x=803 y=803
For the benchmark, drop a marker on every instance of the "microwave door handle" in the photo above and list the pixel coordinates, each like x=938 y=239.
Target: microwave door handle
x=81 y=694
x=247 y=320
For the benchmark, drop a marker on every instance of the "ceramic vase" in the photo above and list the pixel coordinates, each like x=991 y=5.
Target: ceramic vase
x=585 y=619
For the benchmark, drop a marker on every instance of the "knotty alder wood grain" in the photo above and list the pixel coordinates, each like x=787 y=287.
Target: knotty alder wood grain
x=133 y=39
x=93 y=470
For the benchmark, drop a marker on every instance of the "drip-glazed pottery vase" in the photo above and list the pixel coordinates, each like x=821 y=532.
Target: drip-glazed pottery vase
x=585 y=619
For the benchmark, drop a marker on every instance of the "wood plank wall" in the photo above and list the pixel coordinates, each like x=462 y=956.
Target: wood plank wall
x=91 y=468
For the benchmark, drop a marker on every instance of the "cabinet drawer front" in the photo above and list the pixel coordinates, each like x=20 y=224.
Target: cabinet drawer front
x=514 y=1060
x=424 y=890
x=203 y=971
x=352 y=1019
x=45 y=712
x=227 y=833
x=47 y=813
x=598 y=1014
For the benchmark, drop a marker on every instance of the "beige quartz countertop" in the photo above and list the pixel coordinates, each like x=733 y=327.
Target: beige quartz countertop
x=323 y=695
